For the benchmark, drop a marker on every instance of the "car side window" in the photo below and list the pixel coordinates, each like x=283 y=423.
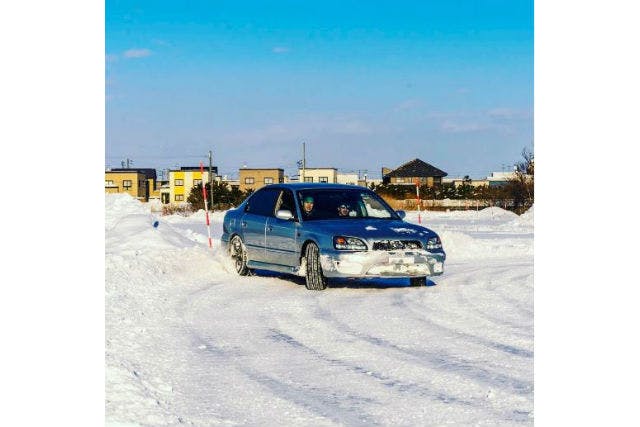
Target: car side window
x=285 y=201
x=263 y=202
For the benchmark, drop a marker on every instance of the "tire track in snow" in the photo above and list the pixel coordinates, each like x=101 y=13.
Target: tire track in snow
x=442 y=361
x=339 y=407
x=465 y=281
x=396 y=384
x=402 y=301
x=404 y=387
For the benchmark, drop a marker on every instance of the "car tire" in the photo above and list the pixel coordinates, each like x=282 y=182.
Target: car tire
x=238 y=254
x=315 y=280
x=418 y=281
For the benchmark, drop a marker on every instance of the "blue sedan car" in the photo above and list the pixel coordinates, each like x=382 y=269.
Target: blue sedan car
x=321 y=231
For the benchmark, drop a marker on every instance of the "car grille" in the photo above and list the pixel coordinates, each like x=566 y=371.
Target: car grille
x=389 y=245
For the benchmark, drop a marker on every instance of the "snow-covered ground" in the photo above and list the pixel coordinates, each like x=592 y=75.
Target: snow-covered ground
x=190 y=342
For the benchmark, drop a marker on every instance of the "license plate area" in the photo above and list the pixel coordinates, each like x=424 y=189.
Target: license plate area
x=401 y=260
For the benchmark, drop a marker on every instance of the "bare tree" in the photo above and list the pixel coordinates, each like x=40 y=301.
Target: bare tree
x=521 y=186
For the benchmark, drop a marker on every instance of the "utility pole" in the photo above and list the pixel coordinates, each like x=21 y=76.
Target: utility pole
x=211 y=178
x=304 y=161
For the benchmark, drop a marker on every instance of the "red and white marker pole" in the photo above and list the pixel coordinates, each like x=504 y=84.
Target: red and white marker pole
x=418 y=199
x=206 y=206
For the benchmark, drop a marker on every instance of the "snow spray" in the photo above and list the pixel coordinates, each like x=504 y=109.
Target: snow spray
x=206 y=206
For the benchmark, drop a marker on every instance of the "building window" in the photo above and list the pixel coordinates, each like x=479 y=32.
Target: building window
x=178 y=182
x=197 y=182
x=179 y=197
x=280 y=180
x=323 y=179
x=249 y=180
x=126 y=184
x=308 y=179
x=108 y=183
x=268 y=180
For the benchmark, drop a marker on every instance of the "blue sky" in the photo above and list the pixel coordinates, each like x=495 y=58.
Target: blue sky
x=363 y=84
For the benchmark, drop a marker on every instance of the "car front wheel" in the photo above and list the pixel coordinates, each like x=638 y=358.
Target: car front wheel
x=315 y=280
x=418 y=281
x=238 y=254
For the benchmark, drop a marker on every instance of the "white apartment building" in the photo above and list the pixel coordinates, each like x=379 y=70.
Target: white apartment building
x=347 y=178
x=325 y=175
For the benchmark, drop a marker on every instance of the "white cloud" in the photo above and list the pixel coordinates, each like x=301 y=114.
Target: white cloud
x=409 y=104
x=302 y=128
x=280 y=49
x=462 y=127
x=507 y=113
x=136 y=53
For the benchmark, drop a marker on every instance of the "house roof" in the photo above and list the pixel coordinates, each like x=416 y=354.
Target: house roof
x=416 y=168
x=147 y=172
x=214 y=169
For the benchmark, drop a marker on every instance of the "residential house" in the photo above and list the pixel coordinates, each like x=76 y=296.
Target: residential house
x=139 y=182
x=347 y=178
x=325 y=175
x=498 y=179
x=182 y=181
x=460 y=181
x=413 y=171
x=252 y=179
x=231 y=183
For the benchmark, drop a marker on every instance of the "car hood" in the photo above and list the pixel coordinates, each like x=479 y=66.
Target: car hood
x=370 y=229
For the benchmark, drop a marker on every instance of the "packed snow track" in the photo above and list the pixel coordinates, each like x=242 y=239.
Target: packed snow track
x=189 y=342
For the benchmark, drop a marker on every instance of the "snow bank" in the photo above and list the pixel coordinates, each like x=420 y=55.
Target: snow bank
x=495 y=212
x=119 y=205
x=462 y=246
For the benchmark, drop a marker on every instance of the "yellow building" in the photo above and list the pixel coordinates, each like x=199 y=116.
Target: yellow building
x=252 y=179
x=132 y=182
x=182 y=181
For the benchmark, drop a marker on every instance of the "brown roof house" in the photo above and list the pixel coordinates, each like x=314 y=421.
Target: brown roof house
x=408 y=173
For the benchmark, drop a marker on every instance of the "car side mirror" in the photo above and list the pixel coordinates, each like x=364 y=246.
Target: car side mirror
x=401 y=214
x=284 y=214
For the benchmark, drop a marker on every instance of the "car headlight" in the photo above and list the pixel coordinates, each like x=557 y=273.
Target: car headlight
x=434 y=243
x=349 y=244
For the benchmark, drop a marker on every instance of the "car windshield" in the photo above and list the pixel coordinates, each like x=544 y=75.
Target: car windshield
x=343 y=204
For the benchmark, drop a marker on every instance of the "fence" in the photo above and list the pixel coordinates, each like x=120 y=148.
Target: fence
x=448 y=204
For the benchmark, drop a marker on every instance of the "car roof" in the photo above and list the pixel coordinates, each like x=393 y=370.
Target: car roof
x=316 y=186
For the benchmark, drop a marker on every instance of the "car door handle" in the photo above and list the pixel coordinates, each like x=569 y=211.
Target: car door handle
x=244 y=224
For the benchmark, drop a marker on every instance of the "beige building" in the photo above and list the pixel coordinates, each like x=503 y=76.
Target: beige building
x=326 y=175
x=252 y=179
x=130 y=181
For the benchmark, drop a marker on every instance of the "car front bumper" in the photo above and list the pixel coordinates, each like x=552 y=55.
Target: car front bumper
x=399 y=263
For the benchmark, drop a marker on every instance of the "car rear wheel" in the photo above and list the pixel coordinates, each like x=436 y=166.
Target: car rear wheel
x=238 y=254
x=418 y=281
x=315 y=280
